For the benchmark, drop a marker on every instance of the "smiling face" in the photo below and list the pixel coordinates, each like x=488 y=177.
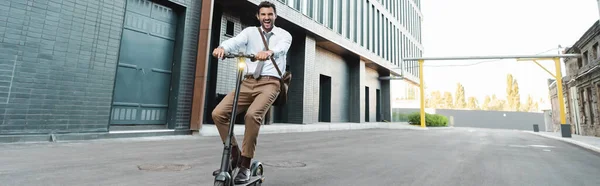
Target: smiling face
x=266 y=16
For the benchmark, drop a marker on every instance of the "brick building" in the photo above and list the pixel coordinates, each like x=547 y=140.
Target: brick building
x=104 y=67
x=582 y=85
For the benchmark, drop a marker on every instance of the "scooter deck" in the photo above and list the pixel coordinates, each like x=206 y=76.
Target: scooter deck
x=252 y=180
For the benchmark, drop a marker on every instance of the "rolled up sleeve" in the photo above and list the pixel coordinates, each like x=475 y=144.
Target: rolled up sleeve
x=234 y=43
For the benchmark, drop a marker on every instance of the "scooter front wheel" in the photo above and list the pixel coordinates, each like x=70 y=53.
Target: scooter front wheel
x=219 y=183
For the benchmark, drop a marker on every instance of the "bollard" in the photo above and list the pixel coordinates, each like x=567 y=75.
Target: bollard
x=536 y=128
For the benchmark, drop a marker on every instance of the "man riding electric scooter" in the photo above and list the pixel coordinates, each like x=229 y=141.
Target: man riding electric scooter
x=261 y=84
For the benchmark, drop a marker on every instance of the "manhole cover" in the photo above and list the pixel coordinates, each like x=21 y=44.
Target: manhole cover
x=285 y=164
x=164 y=167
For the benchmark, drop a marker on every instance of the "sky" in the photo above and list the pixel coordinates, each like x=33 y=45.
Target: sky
x=492 y=27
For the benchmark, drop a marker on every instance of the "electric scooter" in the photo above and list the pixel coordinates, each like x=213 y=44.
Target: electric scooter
x=225 y=176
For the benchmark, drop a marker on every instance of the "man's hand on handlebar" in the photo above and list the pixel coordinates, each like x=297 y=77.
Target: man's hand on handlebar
x=219 y=53
x=264 y=55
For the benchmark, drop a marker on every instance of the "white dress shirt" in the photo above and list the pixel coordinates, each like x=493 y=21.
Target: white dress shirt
x=250 y=40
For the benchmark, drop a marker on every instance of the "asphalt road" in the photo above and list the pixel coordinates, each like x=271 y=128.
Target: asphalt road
x=361 y=157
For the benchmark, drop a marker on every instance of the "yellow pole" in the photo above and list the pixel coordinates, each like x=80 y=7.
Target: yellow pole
x=422 y=93
x=561 y=101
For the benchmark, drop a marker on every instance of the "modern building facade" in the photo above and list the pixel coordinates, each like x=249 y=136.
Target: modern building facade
x=581 y=85
x=88 y=66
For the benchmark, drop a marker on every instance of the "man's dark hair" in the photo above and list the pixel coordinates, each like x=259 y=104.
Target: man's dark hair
x=266 y=4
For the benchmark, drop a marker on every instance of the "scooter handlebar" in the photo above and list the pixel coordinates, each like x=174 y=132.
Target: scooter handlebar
x=232 y=55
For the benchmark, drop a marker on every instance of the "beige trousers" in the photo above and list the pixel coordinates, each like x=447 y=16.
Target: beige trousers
x=256 y=97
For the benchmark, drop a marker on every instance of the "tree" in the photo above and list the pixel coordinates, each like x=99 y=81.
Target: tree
x=497 y=104
x=460 y=101
x=509 y=89
x=513 y=98
x=448 y=101
x=473 y=104
x=516 y=97
x=529 y=106
x=486 y=103
x=501 y=105
x=435 y=100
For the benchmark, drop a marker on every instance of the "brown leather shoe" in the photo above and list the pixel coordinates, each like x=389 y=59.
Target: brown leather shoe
x=243 y=175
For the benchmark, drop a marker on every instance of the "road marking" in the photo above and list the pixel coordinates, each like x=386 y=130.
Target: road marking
x=522 y=146
x=547 y=150
x=541 y=146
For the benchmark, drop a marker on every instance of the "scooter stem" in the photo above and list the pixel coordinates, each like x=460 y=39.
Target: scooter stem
x=228 y=141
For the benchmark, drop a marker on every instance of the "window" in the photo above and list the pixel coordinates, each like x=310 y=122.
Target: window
x=378 y=32
x=585 y=58
x=403 y=13
x=368 y=26
x=372 y=25
x=297 y=4
x=320 y=11
x=581 y=99
x=229 y=28
x=598 y=96
x=355 y=28
x=330 y=7
x=419 y=29
x=590 y=104
x=309 y=8
x=339 y=17
x=362 y=23
x=348 y=18
x=390 y=39
x=394 y=8
x=396 y=56
x=595 y=52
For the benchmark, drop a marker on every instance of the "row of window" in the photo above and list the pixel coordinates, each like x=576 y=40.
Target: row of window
x=388 y=28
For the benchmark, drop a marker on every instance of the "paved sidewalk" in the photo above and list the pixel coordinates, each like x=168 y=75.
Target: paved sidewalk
x=588 y=142
x=211 y=130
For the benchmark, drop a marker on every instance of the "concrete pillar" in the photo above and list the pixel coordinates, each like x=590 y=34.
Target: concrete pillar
x=386 y=94
x=357 y=90
x=203 y=55
x=292 y=112
x=311 y=85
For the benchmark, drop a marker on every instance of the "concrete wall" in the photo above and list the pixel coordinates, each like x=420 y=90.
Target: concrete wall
x=373 y=83
x=58 y=61
x=332 y=65
x=488 y=119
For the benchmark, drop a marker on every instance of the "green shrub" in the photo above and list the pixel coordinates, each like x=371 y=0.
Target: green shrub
x=435 y=120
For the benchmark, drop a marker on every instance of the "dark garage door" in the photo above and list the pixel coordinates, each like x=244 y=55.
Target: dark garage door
x=144 y=70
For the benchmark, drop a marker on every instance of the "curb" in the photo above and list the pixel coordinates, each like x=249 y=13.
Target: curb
x=211 y=130
x=574 y=142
